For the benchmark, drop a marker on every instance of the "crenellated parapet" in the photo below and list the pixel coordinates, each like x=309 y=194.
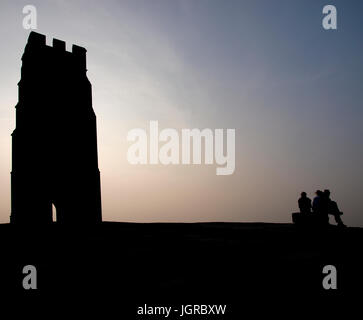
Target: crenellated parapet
x=36 y=46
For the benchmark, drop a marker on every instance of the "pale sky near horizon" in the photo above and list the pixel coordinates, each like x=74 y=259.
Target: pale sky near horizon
x=292 y=90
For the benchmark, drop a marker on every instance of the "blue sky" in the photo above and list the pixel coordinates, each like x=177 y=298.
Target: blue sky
x=292 y=90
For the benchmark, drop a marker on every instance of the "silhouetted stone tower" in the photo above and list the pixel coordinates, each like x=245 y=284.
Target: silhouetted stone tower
x=54 y=156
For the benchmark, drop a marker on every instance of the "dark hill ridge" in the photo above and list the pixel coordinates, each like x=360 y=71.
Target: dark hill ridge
x=181 y=262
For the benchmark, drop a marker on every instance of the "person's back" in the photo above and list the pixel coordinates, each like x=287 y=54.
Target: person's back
x=325 y=203
x=304 y=203
x=331 y=207
x=317 y=202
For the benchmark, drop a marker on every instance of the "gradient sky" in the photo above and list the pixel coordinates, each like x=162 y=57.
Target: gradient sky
x=292 y=90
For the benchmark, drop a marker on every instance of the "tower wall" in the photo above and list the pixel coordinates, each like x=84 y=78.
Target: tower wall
x=54 y=144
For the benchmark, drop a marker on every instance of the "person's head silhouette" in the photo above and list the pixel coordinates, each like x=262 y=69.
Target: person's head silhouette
x=319 y=193
x=327 y=193
x=303 y=194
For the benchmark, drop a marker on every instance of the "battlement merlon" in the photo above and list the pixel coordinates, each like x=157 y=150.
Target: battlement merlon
x=59 y=45
x=80 y=54
x=37 y=40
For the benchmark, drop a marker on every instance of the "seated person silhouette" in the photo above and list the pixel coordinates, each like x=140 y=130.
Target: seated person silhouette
x=317 y=202
x=304 y=203
x=320 y=213
x=331 y=207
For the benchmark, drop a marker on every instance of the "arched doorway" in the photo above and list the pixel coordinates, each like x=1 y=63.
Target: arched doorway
x=54 y=213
